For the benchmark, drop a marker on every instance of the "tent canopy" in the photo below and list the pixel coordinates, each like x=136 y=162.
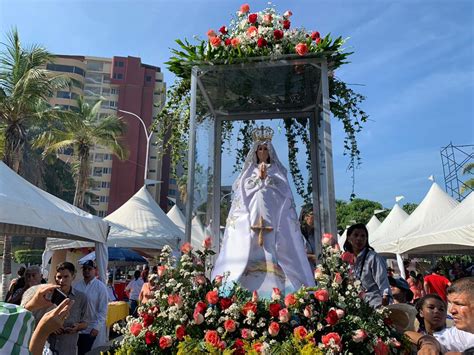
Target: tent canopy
x=198 y=233
x=27 y=210
x=453 y=233
x=139 y=224
x=388 y=227
x=436 y=205
x=373 y=224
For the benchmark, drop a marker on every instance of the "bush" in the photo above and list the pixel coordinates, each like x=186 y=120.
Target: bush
x=28 y=256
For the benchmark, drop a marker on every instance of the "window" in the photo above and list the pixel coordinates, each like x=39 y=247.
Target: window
x=63 y=94
x=97 y=171
x=92 y=90
x=118 y=76
x=172 y=181
x=119 y=64
x=106 y=78
x=94 y=78
x=114 y=91
x=104 y=199
x=107 y=170
x=152 y=157
x=77 y=84
x=152 y=171
x=94 y=66
x=95 y=185
x=102 y=213
x=172 y=192
x=148 y=78
x=99 y=157
x=105 y=91
x=105 y=104
x=65 y=68
x=105 y=185
x=113 y=104
x=159 y=80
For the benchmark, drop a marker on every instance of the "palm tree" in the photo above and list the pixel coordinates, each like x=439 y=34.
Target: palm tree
x=468 y=184
x=25 y=86
x=81 y=130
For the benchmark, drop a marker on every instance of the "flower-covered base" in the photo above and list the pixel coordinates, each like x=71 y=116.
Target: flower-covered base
x=191 y=315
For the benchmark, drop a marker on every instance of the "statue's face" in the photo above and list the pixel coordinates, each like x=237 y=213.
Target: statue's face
x=262 y=153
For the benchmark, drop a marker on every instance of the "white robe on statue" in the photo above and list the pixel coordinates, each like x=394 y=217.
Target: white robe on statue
x=281 y=261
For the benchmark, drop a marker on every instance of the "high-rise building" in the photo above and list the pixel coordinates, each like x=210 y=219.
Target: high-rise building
x=123 y=83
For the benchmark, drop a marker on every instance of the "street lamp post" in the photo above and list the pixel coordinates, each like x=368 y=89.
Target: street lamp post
x=148 y=138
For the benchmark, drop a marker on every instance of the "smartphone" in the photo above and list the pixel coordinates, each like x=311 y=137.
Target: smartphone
x=58 y=296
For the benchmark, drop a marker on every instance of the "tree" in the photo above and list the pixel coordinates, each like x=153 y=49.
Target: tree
x=356 y=211
x=25 y=86
x=81 y=130
x=409 y=207
x=468 y=184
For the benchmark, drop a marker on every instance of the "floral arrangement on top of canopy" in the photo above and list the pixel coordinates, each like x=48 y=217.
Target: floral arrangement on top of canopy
x=192 y=315
x=252 y=35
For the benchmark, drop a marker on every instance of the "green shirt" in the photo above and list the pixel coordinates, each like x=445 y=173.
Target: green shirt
x=16 y=328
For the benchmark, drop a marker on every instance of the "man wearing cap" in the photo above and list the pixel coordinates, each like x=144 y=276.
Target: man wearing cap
x=402 y=295
x=95 y=333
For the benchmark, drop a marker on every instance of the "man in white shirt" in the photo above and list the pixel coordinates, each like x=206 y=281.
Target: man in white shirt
x=95 y=334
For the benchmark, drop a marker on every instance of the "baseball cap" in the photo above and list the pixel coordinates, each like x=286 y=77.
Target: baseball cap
x=402 y=284
x=88 y=263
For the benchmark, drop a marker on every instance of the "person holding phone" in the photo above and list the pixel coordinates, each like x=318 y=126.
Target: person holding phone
x=64 y=340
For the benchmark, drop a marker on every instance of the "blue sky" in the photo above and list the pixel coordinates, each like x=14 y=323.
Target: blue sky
x=414 y=60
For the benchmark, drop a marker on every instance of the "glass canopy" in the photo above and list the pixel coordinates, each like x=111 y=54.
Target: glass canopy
x=266 y=88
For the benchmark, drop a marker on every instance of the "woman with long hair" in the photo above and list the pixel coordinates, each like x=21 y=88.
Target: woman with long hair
x=370 y=268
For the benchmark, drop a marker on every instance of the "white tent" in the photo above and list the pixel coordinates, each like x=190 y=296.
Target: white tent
x=436 y=205
x=26 y=210
x=139 y=223
x=454 y=232
x=373 y=224
x=388 y=227
x=198 y=233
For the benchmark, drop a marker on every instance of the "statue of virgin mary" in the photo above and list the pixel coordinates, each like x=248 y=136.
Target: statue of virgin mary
x=263 y=247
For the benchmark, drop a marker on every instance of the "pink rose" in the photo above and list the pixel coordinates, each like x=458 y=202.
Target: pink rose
x=211 y=34
x=276 y=294
x=198 y=317
x=301 y=49
x=318 y=273
x=327 y=237
x=359 y=335
x=244 y=8
x=290 y=300
x=161 y=270
x=136 y=328
x=381 y=348
x=254 y=296
x=340 y=313
x=300 y=332
x=308 y=312
x=229 y=325
x=215 y=42
x=249 y=307
x=258 y=347
x=252 y=31
x=235 y=42
x=278 y=34
x=273 y=329
x=321 y=295
x=336 y=248
x=329 y=338
x=287 y=14
x=166 y=341
x=212 y=337
x=315 y=35
x=267 y=19
x=212 y=297
x=246 y=333
x=348 y=257
x=284 y=315
x=207 y=243
x=200 y=279
x=218 y=279
x=338 y=278
x=253 y=18
x=186 y=248
x=175 y=300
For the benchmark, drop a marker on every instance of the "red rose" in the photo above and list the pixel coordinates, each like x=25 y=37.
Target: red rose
x=150 y=338
x=315 y=35
x=212 y=297
x=147 y=319
x=229 y=325
x=300 y=332
x=332 y=317
x=228 y=42
x=201 y=307
x=253 y=18
x=212 y=338
x=186 y=247
x=273 y=329
x=136 y=328
x=252 y=31
x=225 y=303
x=326 y=339
x=286 y=24
x=238 y=347
x=166 y=341
x=239 y=343
x=244 y=8
x=290 y=300
x=215 y=42
x=261 y=42
x=321 y=295
x=210 y=34
x=278 y=34
x=318 y=40
x=207 y=241
x=249 y=306
x=180 y=332
x=235 y=42
x=301 y=49
x=246 y=333
x=258 y=347
x=381 y=348
x=275 y=309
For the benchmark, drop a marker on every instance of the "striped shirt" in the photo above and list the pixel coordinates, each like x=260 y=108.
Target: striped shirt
x=16 y=328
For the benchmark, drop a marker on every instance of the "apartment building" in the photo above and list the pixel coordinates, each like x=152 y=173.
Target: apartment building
x=123 y=83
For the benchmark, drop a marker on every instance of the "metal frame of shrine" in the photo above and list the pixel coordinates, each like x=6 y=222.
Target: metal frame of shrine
x=260 y=89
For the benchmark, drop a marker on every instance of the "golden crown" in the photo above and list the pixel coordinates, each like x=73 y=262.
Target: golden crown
x=262 y=134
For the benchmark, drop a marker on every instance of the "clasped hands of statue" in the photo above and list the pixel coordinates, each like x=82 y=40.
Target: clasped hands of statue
x=262 y=171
